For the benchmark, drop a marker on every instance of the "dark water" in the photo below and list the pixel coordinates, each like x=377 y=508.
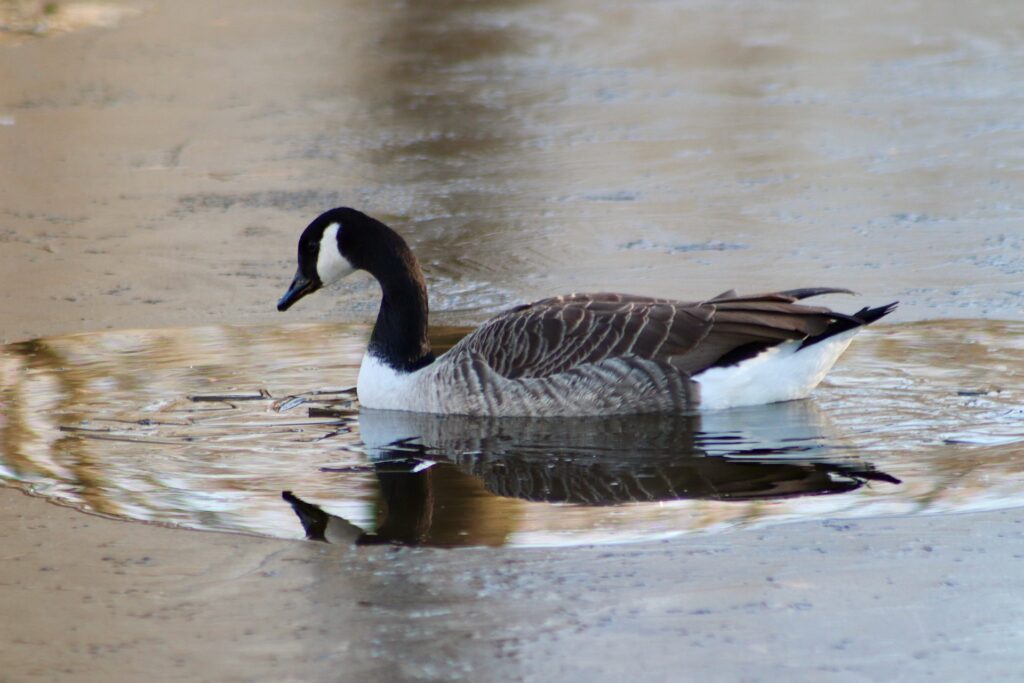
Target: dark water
x=206 y=427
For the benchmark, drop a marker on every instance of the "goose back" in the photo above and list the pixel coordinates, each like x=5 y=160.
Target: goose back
x=558 y=334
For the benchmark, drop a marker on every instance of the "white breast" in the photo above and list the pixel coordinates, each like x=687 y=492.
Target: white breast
x=382 y=387
x=782 y=373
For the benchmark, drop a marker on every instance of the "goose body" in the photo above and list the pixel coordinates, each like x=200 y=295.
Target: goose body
x=574 y=355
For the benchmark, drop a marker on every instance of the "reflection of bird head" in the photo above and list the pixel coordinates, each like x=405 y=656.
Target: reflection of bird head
x=323 y=526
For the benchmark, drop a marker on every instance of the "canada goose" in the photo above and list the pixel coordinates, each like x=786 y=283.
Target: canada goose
x=573 y=355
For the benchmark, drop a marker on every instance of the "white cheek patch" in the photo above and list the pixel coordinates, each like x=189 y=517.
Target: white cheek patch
x=330 y=264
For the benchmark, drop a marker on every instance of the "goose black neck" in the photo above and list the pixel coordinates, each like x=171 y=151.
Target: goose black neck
x=399 y=337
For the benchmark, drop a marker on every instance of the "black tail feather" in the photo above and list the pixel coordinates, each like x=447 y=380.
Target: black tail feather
x=864 y=316
x=869 y=315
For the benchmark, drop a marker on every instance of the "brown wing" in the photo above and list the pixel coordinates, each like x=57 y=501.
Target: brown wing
x=743 y=326
x=555 y=335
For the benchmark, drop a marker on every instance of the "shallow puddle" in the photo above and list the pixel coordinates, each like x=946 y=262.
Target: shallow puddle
x=207 y=427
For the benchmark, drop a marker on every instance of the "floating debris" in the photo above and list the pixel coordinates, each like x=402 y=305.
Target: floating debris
x=333 y=412
x=67 y=428
x=349 y=389
x=979 y=392
x=288 y=403
x=222 y=398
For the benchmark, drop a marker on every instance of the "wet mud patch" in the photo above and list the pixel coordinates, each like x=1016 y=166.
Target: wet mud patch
x=258 y=429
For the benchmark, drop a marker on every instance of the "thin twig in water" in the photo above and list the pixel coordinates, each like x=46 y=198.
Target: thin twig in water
x=333 y=412
x=262 y=395
x=289 y=403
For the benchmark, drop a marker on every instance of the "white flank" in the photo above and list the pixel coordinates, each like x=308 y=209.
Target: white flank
x=782 y=373
x=330 y=264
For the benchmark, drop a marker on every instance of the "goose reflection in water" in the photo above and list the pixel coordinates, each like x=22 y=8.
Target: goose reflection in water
x=430 y=466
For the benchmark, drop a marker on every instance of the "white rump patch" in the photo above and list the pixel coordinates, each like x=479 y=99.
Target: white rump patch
x=331 y=266
x=782 y=373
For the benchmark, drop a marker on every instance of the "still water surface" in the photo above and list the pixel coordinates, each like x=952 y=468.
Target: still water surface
x=206 y=427
x=524 y=148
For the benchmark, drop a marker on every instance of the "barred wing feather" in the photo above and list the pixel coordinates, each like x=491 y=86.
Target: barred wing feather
x=559 y=334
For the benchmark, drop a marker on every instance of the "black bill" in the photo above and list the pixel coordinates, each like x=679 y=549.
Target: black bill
x=300 y=287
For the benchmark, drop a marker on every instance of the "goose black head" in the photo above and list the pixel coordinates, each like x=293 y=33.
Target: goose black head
x=322 y=258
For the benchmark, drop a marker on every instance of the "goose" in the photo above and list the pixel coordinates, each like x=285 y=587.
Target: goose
x=577 y=354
